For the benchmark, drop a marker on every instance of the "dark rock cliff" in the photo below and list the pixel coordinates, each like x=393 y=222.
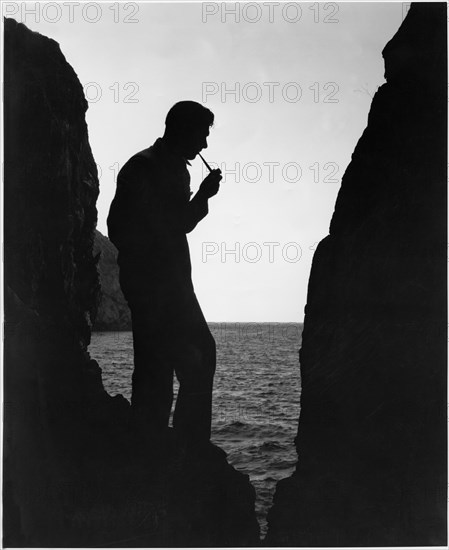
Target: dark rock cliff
x=372 y=432
x=75 y=474
x=113 y=311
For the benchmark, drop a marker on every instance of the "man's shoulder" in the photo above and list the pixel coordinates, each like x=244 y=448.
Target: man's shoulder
x=140 y=164
x=141 y=158
x=146 y=154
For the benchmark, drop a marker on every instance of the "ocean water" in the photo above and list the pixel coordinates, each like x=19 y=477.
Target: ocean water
x=256 y=396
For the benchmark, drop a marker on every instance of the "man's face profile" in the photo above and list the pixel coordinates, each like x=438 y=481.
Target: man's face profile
x=195 y=142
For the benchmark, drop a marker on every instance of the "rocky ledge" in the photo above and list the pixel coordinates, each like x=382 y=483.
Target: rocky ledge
x=75 y=474
x=113 y=312
x=372 y=468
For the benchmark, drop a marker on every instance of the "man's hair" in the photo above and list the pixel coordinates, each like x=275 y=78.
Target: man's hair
x=188 y=115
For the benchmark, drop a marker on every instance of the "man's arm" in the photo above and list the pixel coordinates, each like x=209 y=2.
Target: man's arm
x=196 y=210
x=124 y=210
x=198 y=207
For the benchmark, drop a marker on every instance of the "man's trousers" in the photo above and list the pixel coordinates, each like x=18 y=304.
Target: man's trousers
x=170 y=335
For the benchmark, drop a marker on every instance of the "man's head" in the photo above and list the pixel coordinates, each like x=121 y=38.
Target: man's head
x=187 y=128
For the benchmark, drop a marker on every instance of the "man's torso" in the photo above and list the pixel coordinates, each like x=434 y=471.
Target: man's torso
x=155 y=258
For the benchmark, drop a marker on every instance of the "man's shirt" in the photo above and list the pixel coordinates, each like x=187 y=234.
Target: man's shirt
x=148 y=221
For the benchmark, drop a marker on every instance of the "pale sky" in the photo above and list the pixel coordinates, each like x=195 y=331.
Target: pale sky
x=303 y=79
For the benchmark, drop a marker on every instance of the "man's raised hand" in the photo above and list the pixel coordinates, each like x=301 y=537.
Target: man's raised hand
x=211 y=183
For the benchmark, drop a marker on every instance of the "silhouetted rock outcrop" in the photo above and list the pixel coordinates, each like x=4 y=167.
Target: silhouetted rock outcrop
x=113 y=311
x=75 y=474
x=372 y=432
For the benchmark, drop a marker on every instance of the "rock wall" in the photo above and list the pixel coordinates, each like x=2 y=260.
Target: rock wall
x=372 y=432
x=51 y=282
x=113 y=311
x=75 y=473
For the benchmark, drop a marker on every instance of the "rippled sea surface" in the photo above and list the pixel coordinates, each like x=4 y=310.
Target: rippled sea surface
x=256 y=396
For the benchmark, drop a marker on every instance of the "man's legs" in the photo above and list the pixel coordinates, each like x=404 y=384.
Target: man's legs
x=152 y=379
x=195 y=370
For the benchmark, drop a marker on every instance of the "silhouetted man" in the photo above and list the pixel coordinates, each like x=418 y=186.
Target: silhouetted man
x=148 y=221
